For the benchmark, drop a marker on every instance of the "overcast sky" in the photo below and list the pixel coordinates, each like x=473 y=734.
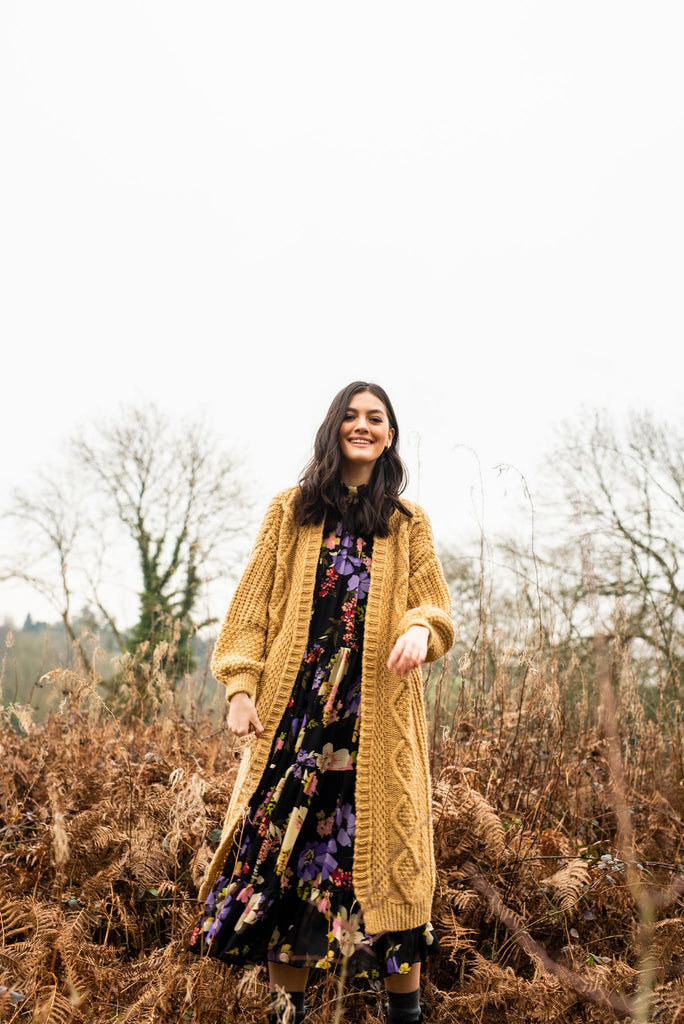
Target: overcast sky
x=238 y=208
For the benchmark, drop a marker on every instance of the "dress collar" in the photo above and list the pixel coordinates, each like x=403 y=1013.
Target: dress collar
x=353 y=492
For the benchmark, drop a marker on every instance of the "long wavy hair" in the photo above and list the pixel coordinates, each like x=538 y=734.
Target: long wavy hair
x=320 y=485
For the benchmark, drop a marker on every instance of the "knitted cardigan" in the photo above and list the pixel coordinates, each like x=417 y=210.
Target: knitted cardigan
x=259 y=650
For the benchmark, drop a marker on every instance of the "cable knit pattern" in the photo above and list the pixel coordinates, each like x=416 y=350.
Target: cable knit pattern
x=259 y=650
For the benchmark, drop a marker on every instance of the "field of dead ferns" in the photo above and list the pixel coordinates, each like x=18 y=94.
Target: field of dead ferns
x=558 y=842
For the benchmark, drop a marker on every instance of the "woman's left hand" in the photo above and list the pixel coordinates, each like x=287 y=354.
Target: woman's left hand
x=409 y=651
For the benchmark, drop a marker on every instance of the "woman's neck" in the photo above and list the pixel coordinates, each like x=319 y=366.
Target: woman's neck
x=355 y=476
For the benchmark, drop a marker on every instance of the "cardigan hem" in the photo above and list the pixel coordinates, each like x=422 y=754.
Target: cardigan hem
x=395 y=917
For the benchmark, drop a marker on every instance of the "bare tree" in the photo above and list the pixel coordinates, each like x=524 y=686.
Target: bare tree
x=628 y=493
x=180 y=499
x=166 y=488
x=50 y=525
x=620 y=497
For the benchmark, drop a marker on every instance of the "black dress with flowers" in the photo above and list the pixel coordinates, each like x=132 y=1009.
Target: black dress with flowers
x=285 y=893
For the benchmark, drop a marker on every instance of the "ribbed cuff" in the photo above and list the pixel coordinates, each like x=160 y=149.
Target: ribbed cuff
x=413 y=617
x=237 y=684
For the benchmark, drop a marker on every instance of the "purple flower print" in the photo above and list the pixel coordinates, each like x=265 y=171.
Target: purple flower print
x=345 y=563
x=345 y=821
x=212 y=931
x=225 y=909
x=296 y=726
x=343 y=560
x=359 y=583
x=317 y=857
x=324 y=858
x=306 y=866
x=318 y=677
x=352 y=700
x=305 y=758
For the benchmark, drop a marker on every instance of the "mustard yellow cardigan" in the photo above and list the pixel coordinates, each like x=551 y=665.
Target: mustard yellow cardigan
x=259 y=650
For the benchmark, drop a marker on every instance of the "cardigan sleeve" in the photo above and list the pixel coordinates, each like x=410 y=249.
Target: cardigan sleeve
x=238 y=657
x=429 y=601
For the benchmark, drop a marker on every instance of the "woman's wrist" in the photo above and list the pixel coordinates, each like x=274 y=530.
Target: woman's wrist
x=426 y=629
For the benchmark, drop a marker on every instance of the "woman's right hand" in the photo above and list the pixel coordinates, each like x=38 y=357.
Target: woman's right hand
x=242 y=715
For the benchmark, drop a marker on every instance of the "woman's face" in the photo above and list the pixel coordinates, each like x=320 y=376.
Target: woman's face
x=364 y=434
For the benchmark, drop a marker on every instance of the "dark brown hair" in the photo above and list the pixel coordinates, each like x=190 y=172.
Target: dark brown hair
x=320 y=486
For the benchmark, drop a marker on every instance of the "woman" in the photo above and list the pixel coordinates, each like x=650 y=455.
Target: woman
x=326 y=852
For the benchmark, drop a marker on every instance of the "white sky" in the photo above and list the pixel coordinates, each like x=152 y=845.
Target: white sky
x=238 y=208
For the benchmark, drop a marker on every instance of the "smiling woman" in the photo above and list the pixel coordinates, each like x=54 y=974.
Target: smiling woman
x=365 y=433
x=356 y=444
x=326 y=855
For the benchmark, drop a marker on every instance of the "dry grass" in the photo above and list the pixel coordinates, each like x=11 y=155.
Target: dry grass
x=559 y=864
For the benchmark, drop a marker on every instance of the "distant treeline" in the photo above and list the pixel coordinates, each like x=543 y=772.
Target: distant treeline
x=38 y=647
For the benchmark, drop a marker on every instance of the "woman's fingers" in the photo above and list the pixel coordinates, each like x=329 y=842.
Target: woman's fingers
x=243 y=716
x=409 y=651
x=396 y=658
x=237 y=723
x=254 y=719
x=406 y=655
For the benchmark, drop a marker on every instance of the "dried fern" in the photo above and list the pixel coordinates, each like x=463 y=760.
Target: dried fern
x=569 y=881
x=52 y=1007
x=15 y=920
x=138 y=802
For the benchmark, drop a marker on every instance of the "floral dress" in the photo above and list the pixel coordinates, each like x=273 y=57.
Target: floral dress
x=285 y=893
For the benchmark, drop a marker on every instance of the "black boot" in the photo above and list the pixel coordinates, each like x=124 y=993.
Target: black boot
x=404 y=1007
x=279 y=1016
